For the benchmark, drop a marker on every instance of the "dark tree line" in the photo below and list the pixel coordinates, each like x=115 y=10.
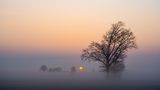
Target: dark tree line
x=44 y=68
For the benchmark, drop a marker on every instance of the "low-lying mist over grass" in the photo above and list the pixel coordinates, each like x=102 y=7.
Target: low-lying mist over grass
x=24 y=72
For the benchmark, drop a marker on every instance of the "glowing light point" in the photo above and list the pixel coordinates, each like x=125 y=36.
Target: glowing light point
x=81 y=68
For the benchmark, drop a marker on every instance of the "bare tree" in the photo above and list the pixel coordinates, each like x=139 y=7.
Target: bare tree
x=112 y=49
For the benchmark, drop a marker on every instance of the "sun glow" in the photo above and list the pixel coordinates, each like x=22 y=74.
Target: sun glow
x=81 y=68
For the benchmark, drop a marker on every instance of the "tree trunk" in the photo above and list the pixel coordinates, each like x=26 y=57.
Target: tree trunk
x=107 y=68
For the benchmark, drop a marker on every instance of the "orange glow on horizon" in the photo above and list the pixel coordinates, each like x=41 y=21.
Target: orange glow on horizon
x=53 y=25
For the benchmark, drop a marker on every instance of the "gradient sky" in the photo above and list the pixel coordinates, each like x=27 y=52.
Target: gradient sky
x=70 y=25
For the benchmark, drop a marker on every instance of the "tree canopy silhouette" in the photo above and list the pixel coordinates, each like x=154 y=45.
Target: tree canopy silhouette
x=43 y=68
x=112 y=50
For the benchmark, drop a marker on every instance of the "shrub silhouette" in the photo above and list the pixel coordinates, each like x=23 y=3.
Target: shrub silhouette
x=43 y=68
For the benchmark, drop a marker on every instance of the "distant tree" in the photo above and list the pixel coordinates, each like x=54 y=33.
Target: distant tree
x=57 y=69
x=112 y=49
x=50 y=70
x=73 y=69
x=43 y=68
